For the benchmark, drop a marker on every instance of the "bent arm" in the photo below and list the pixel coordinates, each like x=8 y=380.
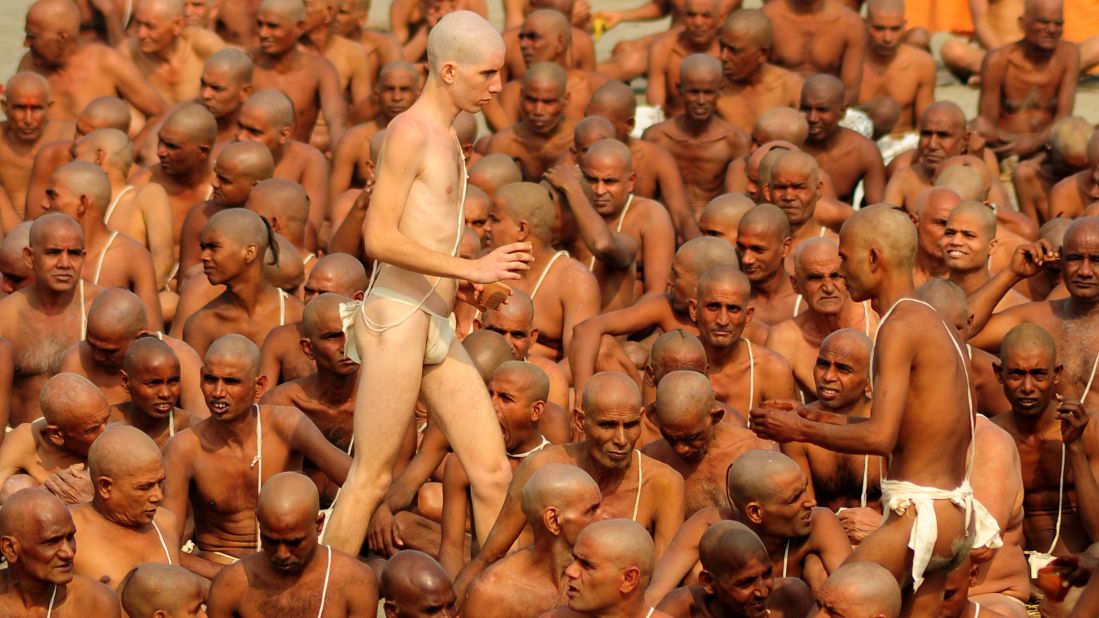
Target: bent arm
x=455 y=509
x=306 y=439
x=680 y=556
x=673 y=193
x=134 y=88
x=315 y=182
x=177 y=478
x=332 y=104
x=587 y=334
x=670 y=510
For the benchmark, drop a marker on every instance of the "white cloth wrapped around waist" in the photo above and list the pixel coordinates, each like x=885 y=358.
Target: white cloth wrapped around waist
x=899 y=496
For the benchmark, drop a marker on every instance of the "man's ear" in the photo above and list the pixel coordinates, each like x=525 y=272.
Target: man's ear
x=551 y=519
x=9 y=547
x=285 y=133
x=786 y=245
x=320 y=522
x=753 y=512
x=28 y=258
x=307 y=348
x=1057 y=372
x=103 y=486
x=534 y=332
x=536 y=410
x=125 y=381
x=448 y=72
x=53 y=434
x=692 y=309
x=716 y=414
x=631 y=579
x=577 y=421
x=261 y=385
x=706 y=582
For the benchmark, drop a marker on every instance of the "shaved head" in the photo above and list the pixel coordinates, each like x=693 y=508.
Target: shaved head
x=151 y=587
x=727 y=545
x=339 y=273
x=967 y=182
x=49 y=223
x=750 y=25
x=465 y=125
x=675 y=350
x=234 y=62
x=398 y=66
x=883 y=228
x=814 y=250
x=25 y=84
x=982 y=213
x=113 y=145
x=243 y=226
x=934 y=199
x=1028 y=336
x=526 y=201
x=409 y=575
x=108 y=113
x=751 y=477
x=119 y=312
x=946 y=298
x=518 y=307
x=705 y=252
x=68 y=396
x=488 y=350
x=85 y=180
x=722 y=215
x=592 y=129
x=555 y=485
x=322 y=309
x=195 y=121
x=288 y=497
x=684 y=398
x=251 y=159
x=29 y=519
x=767 y=217
x=701 y=67
x=546 y=73
x=119 y=451
x=234 y=346
x=493 y=171
x=614 y=101
x=274 y=105
x=145 y=352
x=796 y=161
x=63 y=15
x=536 y=385
x=624 y=543
x=463 y=38
x=283 y=201
x=613 y=150
x=866 y=587
x=824 y=85
x=780 y=123
x=848 y=338
x=610 y=390
x=294 y=9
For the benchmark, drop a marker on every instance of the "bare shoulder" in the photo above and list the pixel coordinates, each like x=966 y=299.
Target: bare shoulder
x=306 y=152
x=92 y=597
x=658 y=131
x=995 y=442
x=651 y=209
x=405 y=133
x=917 y=57
x=771 y=360
x=785 y=333
x=660 y=471
x=20 y=440
x=203 y=41
x=349 y=568
x=281 y=395
x=182 y=350
x=229 y=581
x=184 y=443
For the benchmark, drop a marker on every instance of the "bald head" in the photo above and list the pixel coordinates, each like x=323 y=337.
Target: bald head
x=946 y=298
x=780 y=123
x=232 y=347
x=936 y=200
x=273 y=105
x=321 y=313
x=978 y=212
x=88 y=181
x=62 y=15
x=519 y=307
x=27 y=512
x=293 y=9
x=27 y=84
x=526 y=201
x=288 y=498
x=236 y=63
x=622 y=542
x=243 y=226
x=551 y=22
x=1028 y=336
x=465 y=126
x=533 y=382
x=684 y=399
x=814 y=250
x=722 y=215
x=882 y=228
x=166 y=9
x=120 y=451
x=49 y=224
x=849 y=339
x=700 y=67
x=751 y=26
x=283 y=267
x=768 y=219
x=700 y=254
x=493 y=171
x=107 y=113
x=725 y=278
x=69 y=396
x=967 y=182
x=825 y=86
x=609 y=151
x=864 y=587
x=607 y=390
x=947 y=110
x=284 y=204
x=1052 y=231
x=109 y=147
x=752 y=476
x=799 y=163
x=117 y=313
x=194 y=121
x=147 y=352
x=339 y=273
x=727 y=545
x=409 y=574
x=614 y=101
x=883 y=7
x=675 y=350
x=463 y=38
x=590 y=130
x=151 y=588
x=546 y=74
x=555 y=485
x=1076 y=233
x=488 y=350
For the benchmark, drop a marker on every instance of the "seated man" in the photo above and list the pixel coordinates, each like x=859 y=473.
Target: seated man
x=702 y=144
x=860 y=589
x=285 y=206
x=721 y=215
x=657 y=174
x=763 y=243
x=737 y=579
x=563 y=291
x=675 y=350
x=397 y=89
x=634 y=485
x=355 y=68
x=151 y=590
x=48 y=316
x=893 y=68
x=284 y=359
x=828 y=308
x=753 y=85
x=1028 y=84
x=151 y=377
x=694 y=441
x=966 y=243
x=115 y=321
x=555 y=29
x=267 y=117
x=543 y=133
x=235 y=245
x=612 y=562
x=168 y=53
x=943 y=134
x=201 y=458
x=581 y=47
x=293 y=573
x=83 y=191
x=142 y=214
x=37 y=538
x=1071 y=196
x=79 y=71
x=827 y=38
x=769 y=495
x=123 y=525
x=669 y=311
x=841 y=377
x=225 y=84
x=491 y=172
x=310 y=81
x=28 y=128
x=414 y=584
x=701 y=22
x=559 y=501
x=326 y=396
x=847 y=156
x=795 y=185
x=1066 y=155
x=74 y=413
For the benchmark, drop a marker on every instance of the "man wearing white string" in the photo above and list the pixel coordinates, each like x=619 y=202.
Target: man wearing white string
x=37 y=539
x=294 y=573
x=413 y=229
x=216 y=467
x=921 y=417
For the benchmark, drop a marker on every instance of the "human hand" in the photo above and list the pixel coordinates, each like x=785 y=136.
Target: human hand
x=383 y=536
x=778 y=423
x=1029 y=258
x=502 y=264
x=563 y=176
x=73 y=485
x=859 y=522
x=1073 y=417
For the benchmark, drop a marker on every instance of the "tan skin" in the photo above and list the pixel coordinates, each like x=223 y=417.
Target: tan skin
x=818 y=36
x=310 y=81
x=222 y=93
x=942 y=135
x=702 y=144
x=1071 y=196
x=762 y=255
x=40 y=449
x=209 y=468
x=1034 y=181
x=167 y=53
x=1027 y=85
x=922 y=451
x=569 y=294
x=845 y=155
x=114 y=538
x=355 y=69
x=230 y=187
x=82 y=72
x=518 y=329
x=581 y=51
x=248 y=306
x=895 y=69
x=543 y=136
x=151 y=388
x=49 y=305
x=752 y=84
x=580 y=86
x=184 y=171
x=660 y=509
x=395 y=91
x=26 y=130
x=701 y=20
x=721 y=312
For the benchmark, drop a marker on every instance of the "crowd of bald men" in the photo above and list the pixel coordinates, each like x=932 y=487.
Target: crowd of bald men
x=183 y=191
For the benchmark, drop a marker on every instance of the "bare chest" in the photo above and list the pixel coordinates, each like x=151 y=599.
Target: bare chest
x=811 y=44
